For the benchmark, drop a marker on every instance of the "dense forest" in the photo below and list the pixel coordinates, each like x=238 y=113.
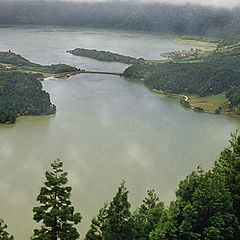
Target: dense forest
x=154 y=17
x=104 y=56
x=207 y=207
x=195 y=72
x=22 y=94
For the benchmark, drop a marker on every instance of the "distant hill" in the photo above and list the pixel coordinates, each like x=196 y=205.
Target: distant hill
x=153 y=17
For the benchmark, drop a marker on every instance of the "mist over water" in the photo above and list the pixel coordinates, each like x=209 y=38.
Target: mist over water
x=106 y=128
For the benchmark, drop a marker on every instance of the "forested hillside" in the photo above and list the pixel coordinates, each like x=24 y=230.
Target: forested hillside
x=198 y=72
x=154 y=17
x=22 y=94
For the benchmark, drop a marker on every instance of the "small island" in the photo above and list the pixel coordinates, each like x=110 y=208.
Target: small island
x=21 y=92
x=104 y=56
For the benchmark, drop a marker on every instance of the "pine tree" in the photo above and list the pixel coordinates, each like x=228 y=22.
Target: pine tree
x=56 y=212
x=147 y=216
x=118 y=225
x=4 y=235
x=96 y=228
x=228 y=165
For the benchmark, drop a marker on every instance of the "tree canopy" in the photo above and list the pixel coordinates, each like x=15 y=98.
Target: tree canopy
x=22 y=94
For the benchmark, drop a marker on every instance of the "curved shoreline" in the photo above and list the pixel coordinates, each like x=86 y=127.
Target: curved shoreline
x=186 y=98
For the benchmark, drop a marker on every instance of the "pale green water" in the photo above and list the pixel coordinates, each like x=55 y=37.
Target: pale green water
x=106 y=128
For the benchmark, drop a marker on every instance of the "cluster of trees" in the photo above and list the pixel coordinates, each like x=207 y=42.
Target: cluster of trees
x=19 y=62
x=202 y=78
x=234 y=96
x=22 y=94
x=207 y=206
x=104 y=56
x=154 y=17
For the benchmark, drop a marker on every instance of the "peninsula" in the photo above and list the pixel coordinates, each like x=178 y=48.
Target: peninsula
x=21 y=92
x=104 y=56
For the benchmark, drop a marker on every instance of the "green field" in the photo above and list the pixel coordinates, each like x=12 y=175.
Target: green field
x=209 y=103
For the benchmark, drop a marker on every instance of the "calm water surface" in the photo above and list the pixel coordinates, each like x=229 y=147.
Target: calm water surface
x=106 y=128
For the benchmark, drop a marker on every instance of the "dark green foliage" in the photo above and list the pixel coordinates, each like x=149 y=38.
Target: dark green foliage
x=146 y=218
x=104 y=56
x=203 y=210
x=22 y=94
x=118 y=224
x=56 y=212
x=234 y=95
x=217 y=73
x=113 y=222
x=228 y=166
x=18 y=61
x=4 y=235
x=7 y=116
x=96 y=231
x=208 y=204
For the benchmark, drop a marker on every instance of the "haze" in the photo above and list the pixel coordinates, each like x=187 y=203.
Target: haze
x=216 y=3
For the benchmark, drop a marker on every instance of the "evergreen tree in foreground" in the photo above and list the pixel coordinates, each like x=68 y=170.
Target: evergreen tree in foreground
x=96 y=228
x=207 y=204
x=4 y=235
x=147 y=216
x=228 y=166
x=56 y=212
x=118 y=224
x=114 y=221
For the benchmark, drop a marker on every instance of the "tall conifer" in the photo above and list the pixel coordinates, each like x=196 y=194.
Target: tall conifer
x=118 y=224
x=56 y=212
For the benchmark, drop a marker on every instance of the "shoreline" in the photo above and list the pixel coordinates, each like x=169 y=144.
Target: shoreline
x=186 y=98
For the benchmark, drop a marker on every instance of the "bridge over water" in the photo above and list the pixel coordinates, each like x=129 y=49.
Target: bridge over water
x=68 y=74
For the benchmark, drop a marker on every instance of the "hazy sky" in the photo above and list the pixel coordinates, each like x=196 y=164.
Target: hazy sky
x=218 y=3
